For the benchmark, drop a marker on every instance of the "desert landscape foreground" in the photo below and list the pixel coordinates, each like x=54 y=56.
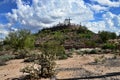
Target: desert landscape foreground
x=75 y=68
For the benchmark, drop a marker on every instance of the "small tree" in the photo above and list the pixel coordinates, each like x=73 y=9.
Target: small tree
x=20 y=39
x=105 y=35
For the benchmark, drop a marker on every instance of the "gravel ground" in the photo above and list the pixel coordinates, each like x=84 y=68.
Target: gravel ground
x=75 y=68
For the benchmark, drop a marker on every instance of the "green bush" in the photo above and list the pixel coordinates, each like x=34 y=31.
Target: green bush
x=63 y=56
x=86 y=52
x=21 y=54
x=45 y=61
x=1 y=48
x=93 y=52
x=90 y=44
x=72 y=50
x=32 y=57
x=80 y=53
x=87 y=36
x=53 y=47
x=105 y=35
x=6 y=57
x=20 y=39
x=58 y=36
x=109 y=46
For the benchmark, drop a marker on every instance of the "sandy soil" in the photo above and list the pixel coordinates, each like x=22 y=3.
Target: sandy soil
x=75 y=67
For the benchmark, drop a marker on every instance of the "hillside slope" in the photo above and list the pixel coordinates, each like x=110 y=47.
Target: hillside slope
x=70 y=36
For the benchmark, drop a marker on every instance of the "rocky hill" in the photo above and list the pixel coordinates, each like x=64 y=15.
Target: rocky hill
x=69 y=35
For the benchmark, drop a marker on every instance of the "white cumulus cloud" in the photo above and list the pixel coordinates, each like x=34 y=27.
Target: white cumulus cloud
x=98 y=8
x=96 y=26
x=45 y=13
x=108 y=3
x=110 y=22
x=3 y=30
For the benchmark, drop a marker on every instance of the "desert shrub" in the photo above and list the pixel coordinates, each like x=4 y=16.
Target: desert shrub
x=45 y=68
x=48 y=65
x=32 y=56
x=87 y=36
x=96 y=60
x=58 y=36
x=6 y=57
x=1 y=48
x=72 y=50
x=32 y=70
x=6 y=47
x=105 y=35
x=61 y=53
x=55 y=48
x=99 y=59
x=83 y=29
x=45 y=62
x=69 y=54
x=86 y=52
x=90 y=43
x=20 y=39
x=63 y=56
x=109 y=46
x=21 y=54
x=80 y=53
x=93 y=52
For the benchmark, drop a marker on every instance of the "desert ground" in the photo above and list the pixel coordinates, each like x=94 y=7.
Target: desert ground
x=75 y=68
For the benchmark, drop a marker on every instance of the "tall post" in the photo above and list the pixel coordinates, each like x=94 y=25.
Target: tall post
x=1 y=38
x=69 y=21
x=1 y=35
x=119 y=35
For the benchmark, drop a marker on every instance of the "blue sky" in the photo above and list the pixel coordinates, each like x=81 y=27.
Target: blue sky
x=97 y=15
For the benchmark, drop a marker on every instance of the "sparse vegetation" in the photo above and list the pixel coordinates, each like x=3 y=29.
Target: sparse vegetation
x=21 y=54
x=55 y=43
x=105 y=35
x=99 y=59
x=93 y=52
x=80 y=53
x=6 y=57
x=109 y=46
x=20 y=39
x=46 y=61
x=32 y=56
x=33 y=72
